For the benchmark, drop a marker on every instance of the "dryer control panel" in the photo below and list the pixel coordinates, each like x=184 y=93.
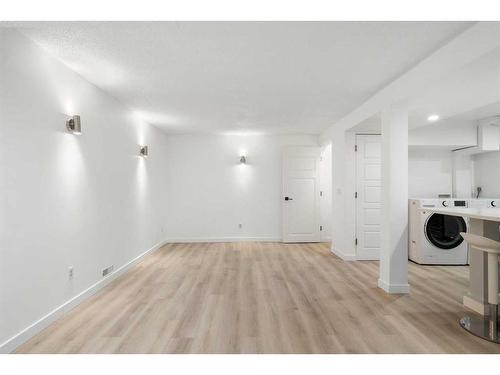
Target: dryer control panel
x=459 y=203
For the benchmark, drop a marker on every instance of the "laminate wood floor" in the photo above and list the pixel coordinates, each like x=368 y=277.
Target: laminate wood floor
x=264 y=298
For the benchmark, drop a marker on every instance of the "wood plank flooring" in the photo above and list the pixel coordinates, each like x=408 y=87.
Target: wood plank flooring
x=264 y=298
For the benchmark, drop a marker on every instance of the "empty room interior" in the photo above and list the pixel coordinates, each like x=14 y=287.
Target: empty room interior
x=249 y=187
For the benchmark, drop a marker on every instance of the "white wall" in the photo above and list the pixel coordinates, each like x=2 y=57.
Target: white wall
x=487 y=174
x=211 y=193
x=463 y=175
x=430 y=173
x=431 y=159
x=343 y=186
x=85 y=201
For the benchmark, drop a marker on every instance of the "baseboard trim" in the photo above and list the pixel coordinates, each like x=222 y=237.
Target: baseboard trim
x=343 y=256
x=474 y=305
x=20 y=338
x=222 y=239
x=394 y=288
x=367 y=257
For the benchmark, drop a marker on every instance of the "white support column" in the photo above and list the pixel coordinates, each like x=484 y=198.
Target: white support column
x=338 y=151
x=393 y=277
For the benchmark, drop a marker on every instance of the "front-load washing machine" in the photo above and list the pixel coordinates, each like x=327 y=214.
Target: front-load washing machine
x=435 y=238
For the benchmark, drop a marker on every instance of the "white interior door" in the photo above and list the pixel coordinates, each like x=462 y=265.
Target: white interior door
x=368 y=196
x=301 y=194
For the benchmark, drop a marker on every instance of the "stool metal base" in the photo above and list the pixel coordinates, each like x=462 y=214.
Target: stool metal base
x=481 y=327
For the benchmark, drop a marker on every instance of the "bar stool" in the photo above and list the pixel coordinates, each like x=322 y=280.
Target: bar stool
x=485 y=327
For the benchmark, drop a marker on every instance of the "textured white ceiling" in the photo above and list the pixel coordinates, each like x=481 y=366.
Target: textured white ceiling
x=460 y=98
x=465 y=95
x=213 y=77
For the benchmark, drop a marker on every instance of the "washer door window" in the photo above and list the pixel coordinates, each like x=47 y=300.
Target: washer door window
x=443 y=231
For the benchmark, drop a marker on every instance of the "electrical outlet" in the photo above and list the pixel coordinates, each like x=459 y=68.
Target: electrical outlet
x=70 y=272
x=108 y=270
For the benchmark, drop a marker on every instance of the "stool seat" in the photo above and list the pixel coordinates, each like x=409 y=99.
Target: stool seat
x=487 y=328
x=482 y=243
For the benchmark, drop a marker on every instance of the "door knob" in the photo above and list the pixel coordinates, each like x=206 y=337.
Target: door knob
x=288 y=199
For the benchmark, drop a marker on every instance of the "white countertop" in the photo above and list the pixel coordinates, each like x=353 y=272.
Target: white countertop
x=491 y=214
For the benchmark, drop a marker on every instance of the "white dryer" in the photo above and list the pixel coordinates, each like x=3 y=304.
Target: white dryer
x=435 y=238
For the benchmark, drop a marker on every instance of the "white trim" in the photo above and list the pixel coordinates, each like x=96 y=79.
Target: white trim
x=343 y=256
x=20 y=338
x=394 y=288
x=474 y=305
x=222 y=239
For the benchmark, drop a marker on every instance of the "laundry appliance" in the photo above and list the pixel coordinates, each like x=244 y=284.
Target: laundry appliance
x=484 y=203
x=435 y=238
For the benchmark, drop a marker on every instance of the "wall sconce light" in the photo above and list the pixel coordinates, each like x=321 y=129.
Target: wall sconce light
x=243 y=159
x=144 y=151
x=74 y=125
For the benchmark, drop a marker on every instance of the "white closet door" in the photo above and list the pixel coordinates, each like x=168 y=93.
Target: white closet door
x=368 y=201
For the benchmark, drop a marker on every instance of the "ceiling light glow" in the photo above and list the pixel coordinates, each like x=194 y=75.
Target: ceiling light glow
x=433 y=118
